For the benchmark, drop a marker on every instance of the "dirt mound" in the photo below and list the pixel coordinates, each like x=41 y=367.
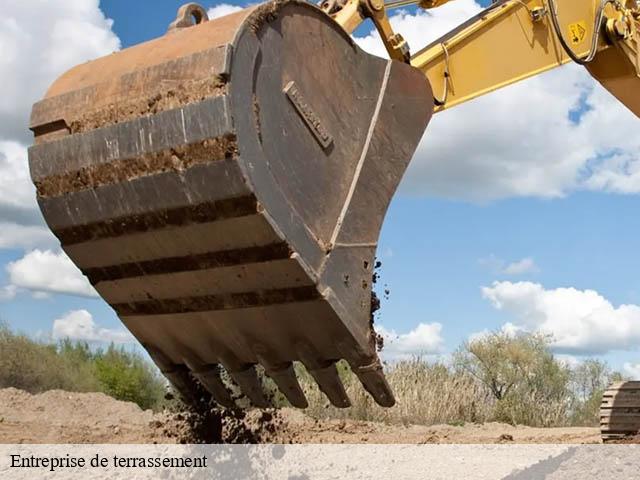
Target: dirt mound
x=58 y=416
x=64 y=417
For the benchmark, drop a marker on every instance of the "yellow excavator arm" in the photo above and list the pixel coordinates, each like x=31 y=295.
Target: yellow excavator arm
x=515 y=39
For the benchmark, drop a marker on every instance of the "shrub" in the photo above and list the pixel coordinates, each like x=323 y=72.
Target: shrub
x=589 y=380
x=36 y=366
x=530 y=386
x=125 y=375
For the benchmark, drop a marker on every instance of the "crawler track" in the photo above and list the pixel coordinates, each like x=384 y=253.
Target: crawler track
x=620 y=411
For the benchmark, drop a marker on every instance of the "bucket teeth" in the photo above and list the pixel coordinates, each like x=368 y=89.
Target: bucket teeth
x=374 y=382
x=211 y=380
x=286 y=380
x=181 y=380
x=178 y=375
x=251 y=386
x=330 y=384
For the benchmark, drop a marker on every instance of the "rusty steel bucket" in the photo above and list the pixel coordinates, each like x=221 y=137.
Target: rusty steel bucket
x=223 y=188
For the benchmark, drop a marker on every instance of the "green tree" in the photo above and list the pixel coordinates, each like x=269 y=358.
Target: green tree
x=589 y=380
x=126 y=376
x=531 y=387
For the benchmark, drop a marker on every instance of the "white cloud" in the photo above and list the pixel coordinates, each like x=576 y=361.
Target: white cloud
x=79 y=325
x=530 y=146
x=580 y=321
x=13 y=235
x=499 y=266
x=223 y=9
x=526 y=265
x=8 y=292
x=632 y=370
x=425 y=339
x=570 y=361
x=17 y=193
x=40 y=295
x=49 y=272
x=39 y=41
x=508 y=329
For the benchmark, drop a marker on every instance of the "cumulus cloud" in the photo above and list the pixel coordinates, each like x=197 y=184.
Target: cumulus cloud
x=223 y=9
x=580 y=321
x=425 y=339
x=39 y=41
x=49 y=272
x=80 y=325
x=532 y=146
x=632 y=370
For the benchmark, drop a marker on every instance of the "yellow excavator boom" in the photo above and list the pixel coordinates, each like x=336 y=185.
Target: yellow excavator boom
x=515 y=39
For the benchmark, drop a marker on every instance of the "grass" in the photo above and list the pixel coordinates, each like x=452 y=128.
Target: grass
x=425 y=393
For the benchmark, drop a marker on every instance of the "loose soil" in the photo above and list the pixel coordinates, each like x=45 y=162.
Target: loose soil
x=64 y=417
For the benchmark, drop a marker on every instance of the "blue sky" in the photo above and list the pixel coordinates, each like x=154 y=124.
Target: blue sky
x=540 y=227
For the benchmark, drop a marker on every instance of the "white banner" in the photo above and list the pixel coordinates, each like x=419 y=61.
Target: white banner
x=311 y=462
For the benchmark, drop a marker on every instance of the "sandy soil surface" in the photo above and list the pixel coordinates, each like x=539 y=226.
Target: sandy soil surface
x=64 y=417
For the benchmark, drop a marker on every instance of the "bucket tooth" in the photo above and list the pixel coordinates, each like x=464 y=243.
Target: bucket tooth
x=223 y=188
x=374 y=382
x=251 y=386
x=330 y=384
x=210 y=378
x=181 y=379
x=179 y=375
x=286 y=380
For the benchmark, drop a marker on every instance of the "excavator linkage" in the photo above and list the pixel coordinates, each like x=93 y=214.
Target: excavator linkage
x=223 y=188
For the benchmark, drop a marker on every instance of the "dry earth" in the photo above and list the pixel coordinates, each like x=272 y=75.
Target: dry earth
x=64 y=417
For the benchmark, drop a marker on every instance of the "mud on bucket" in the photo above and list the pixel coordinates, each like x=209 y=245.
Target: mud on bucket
x=232 y=220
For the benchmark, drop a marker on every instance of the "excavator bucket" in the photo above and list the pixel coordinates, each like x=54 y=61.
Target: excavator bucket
x=223 y=188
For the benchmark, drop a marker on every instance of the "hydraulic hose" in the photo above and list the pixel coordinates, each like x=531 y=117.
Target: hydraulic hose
x=553 y=11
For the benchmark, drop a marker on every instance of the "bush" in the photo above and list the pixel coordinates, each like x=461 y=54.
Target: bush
x=589 y=380
x=127 y=376
x=530 y=386
x=35 y=367
x=73 y=366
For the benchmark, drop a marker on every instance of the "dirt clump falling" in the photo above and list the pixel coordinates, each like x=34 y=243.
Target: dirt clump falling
x=206 y=422
x=376 y=304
